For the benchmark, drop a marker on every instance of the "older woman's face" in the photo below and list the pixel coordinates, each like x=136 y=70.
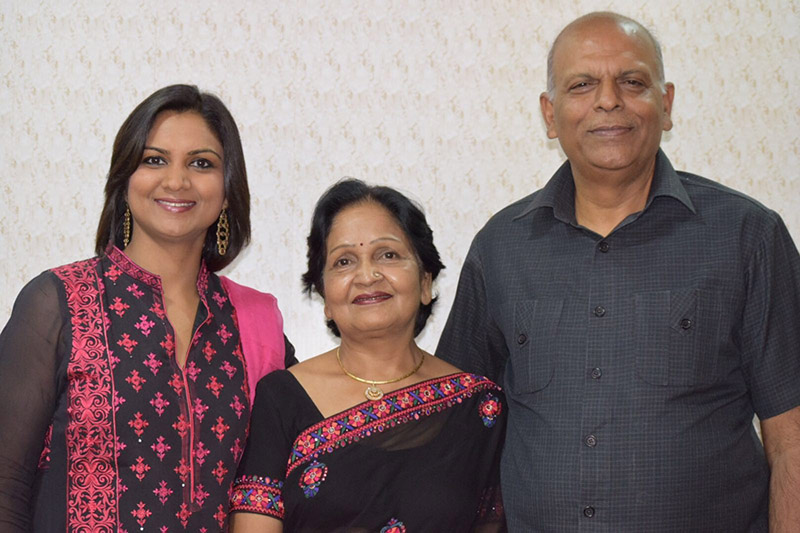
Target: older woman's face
x=372 y=279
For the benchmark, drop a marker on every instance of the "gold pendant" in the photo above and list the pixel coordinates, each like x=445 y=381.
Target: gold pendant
x=373 y=393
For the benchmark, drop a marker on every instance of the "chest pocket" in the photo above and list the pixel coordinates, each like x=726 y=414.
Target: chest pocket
x=533 y=346
x=676 y=337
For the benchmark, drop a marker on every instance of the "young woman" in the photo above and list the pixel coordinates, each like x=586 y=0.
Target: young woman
x=126 y=380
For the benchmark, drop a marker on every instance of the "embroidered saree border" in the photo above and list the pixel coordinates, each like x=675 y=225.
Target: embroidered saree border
x=401 y=406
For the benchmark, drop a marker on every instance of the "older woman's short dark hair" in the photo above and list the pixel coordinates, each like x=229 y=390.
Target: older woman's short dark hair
x=127 y=155
x=408 y=215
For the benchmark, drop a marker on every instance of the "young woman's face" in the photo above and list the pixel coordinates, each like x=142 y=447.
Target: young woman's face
x=178 y=190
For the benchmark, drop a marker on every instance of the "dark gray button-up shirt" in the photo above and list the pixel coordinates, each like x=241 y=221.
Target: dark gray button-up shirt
x=633 y=363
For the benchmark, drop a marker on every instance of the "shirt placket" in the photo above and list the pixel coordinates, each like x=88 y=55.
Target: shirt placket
x=602 y=321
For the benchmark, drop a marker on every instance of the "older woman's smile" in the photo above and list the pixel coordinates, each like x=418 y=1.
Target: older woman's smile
x=371 y=298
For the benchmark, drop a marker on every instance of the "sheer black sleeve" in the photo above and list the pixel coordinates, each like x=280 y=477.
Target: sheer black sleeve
x=32 y=345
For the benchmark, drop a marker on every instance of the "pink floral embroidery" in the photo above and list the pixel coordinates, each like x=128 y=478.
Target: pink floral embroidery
x=228 y=369
x=181 y=426
x=183 y=515
x=219 y=472
x=163 y=492
x=153 y=363
x=141 y=514
x=135 y=380
x=220 y=428
x=127 y=343
x=119 y=306
x=182 y=470
x=168 y=344
x=224 y=334
x=220 y=299
x=200 y=495
x=236 y=450
x=133 y=288
x=214 y=386
x=176 y=383
x=200 y=453
x=192 y=371
x=161 y=448
x=144 y=325
x=138 y=424
x=208 y=351
x=220 y=516
x=199 y=409
x=157 y=310
x=113 y=274
x=140 y=468
x=237 y=406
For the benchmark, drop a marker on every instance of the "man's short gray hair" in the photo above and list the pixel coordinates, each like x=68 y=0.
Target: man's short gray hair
x=619 y=19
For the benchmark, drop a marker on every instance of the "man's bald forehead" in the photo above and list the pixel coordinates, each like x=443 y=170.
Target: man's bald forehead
x=625 y=24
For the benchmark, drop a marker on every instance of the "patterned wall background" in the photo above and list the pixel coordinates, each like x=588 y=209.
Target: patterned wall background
x=437 y=98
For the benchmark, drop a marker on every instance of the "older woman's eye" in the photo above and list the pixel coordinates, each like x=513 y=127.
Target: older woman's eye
x=341 y=262
x=390 y=255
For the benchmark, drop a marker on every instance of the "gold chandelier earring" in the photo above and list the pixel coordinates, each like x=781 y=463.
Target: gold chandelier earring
x=126 y=227
x=223 y=233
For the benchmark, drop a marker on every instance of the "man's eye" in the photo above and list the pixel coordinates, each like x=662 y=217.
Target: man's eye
x=579 y=86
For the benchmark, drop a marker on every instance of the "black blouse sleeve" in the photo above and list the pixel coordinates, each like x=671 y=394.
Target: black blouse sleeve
x=32 y=345
x=258 y=487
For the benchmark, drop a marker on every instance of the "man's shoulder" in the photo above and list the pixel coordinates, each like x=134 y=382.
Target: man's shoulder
x=709 y=195
x=501 y=221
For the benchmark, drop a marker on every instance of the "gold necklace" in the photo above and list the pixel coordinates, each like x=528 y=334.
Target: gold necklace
x=374 y=392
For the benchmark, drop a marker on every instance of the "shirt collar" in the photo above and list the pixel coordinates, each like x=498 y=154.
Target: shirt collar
x=559 y=193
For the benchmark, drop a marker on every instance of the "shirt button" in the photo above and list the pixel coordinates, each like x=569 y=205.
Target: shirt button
x=590 y=441
x=603 y=246
x=686 y=323
x=599 y=311
x=596 y=373
x=522 y=339
x=588 y=512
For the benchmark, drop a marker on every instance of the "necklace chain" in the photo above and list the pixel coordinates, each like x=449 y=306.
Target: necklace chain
x=374 y=392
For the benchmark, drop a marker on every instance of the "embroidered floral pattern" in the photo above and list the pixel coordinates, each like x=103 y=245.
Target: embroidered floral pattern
x=256 y=494
x=490 y=409
x=410 y=403
x=394 y=526
x=141 y=452
x=312 y=478
x=91 y=499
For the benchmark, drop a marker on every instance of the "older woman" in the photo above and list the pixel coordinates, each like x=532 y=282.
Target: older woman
x=125 y=380
x=375 y=434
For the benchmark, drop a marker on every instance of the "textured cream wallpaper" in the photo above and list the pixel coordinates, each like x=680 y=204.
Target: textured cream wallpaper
x=439 y=99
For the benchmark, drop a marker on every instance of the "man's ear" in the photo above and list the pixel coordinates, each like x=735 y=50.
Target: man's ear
x=668 y=96
x=548 y=115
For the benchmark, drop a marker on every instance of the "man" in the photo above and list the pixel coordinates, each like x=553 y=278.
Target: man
x=637 y=316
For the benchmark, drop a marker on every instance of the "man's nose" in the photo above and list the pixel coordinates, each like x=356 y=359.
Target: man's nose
x=608 y=96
